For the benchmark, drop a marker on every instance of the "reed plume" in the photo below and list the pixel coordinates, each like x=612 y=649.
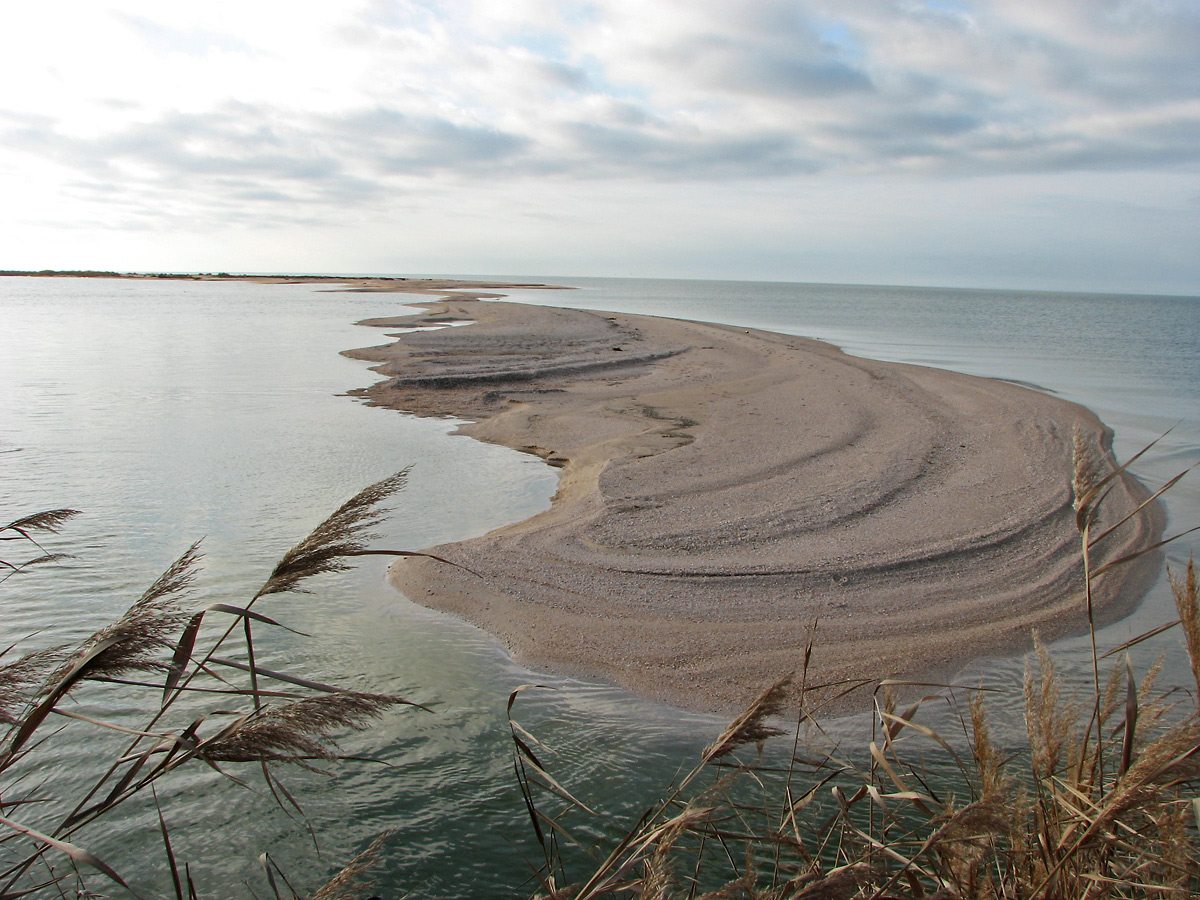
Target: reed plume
x=136 y=641
x=22 y=529
x=20 y=679
x=343 y=534
x=355 y=879
x=1049 y=719
x=293 y=732
x=1187 y=602
x=752 y=726
x=50 y=520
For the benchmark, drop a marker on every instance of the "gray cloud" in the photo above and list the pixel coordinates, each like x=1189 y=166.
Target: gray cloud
x=765 y=64
x=215 y=161
x=809 y=79
x=603 y=151
x=395 y=142
x=238 y=139
x=564 y=76
x=979 y=87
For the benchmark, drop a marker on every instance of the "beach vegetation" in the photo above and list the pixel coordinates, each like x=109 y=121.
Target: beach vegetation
x=177 y=688
x=1098 y=801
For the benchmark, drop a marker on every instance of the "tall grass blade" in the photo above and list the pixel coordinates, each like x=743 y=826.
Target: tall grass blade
x=1141 y=507
x=1131 y=717
x=1130 y=557
x=77 y=854
x=66 y=680
x=303 y=682
x=166 y=836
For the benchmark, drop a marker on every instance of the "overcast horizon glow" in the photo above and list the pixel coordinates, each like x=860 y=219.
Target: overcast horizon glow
x=1035 y=144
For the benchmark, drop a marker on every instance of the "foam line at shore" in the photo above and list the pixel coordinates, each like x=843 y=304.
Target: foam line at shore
x=723 y=489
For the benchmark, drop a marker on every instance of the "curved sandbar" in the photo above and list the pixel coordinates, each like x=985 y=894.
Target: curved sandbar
x=721 y=489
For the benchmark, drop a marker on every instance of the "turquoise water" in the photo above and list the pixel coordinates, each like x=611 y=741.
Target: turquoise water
x=173 y=411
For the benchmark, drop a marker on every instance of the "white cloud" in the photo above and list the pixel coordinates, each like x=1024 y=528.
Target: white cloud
x=192 y=118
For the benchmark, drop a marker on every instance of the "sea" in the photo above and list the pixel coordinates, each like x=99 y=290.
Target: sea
x=171 y=411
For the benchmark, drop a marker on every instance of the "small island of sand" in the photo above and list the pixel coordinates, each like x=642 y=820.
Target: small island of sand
x=724 y=489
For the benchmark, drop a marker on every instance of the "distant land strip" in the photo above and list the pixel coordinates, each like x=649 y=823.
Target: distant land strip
x=363 y=283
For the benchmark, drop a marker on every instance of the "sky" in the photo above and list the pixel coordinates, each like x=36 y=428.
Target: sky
x=1028 y=144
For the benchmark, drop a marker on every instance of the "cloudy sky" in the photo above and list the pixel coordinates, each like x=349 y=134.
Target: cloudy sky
x=995 y=143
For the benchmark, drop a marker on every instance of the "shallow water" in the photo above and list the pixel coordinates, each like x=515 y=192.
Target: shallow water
x=174 y=410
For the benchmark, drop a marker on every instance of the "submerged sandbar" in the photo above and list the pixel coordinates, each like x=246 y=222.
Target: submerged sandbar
x=722 y=489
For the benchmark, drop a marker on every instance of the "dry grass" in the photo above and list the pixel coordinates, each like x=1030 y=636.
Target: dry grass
x=155 y=655
x=1099 y=803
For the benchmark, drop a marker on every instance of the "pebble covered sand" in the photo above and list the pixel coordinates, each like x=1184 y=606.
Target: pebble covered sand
x=728 y=496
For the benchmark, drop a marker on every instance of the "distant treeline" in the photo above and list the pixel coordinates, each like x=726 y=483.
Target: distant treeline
x=198 y=276
x=92 y=273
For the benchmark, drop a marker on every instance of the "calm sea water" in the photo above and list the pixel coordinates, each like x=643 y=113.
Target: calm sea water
x=173 y=411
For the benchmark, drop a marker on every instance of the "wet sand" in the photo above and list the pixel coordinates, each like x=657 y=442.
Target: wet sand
x=723 y=489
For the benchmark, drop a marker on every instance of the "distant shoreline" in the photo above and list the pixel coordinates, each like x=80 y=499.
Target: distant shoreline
x=353 y=283
x=723 y=489
x=404 y=284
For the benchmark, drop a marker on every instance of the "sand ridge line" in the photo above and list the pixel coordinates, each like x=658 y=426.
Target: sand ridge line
x=722 y=488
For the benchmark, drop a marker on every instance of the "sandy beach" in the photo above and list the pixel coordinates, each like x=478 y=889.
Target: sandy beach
x=724 y=490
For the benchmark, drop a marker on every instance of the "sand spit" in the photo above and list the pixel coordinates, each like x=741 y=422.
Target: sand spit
x=722 y=489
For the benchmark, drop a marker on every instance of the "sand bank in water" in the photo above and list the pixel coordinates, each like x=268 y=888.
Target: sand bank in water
x=722 y=489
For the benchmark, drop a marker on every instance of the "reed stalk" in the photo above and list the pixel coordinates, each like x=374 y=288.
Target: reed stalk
x=156 y=655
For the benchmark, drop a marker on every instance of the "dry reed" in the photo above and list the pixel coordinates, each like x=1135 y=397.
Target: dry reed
x=1100 y=803
x=155 y=655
